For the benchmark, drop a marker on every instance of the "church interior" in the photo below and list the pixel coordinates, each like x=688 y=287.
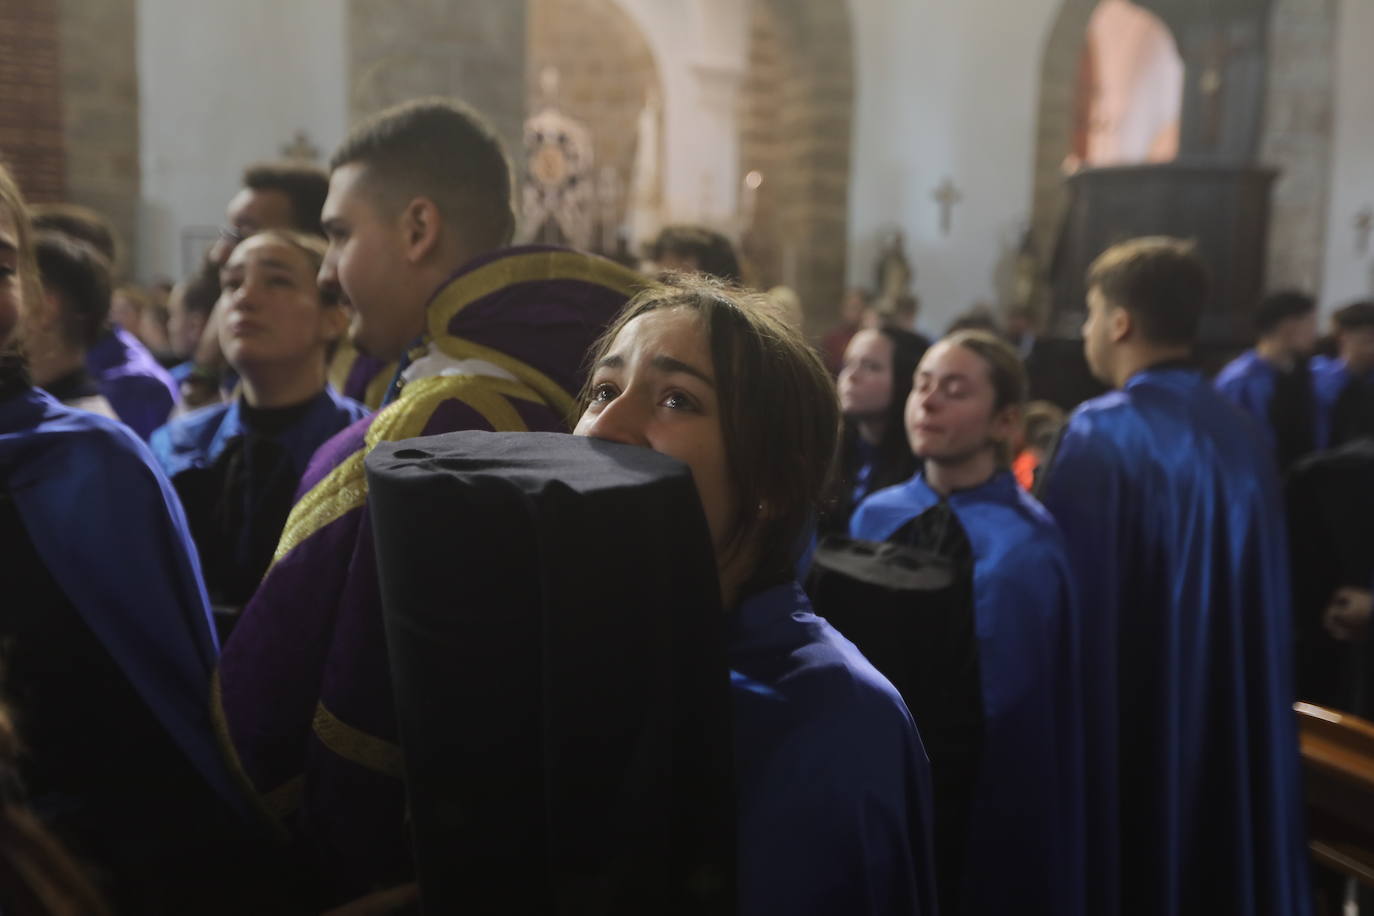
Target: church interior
x=888 y=174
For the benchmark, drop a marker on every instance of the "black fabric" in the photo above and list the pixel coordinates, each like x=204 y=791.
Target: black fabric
x=14 y=375
x=73 y=386
x=1291 y=414
x=1352 y=416
x=99 y=769
x=1330 y=500
x=237 y=508
x=557 y=651
x=907 y=604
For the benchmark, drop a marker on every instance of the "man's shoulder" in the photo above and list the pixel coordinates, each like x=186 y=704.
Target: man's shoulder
x=1242 y=369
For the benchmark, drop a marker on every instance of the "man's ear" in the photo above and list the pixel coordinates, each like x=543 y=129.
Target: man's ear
x=421 y=227
x=1121 y=324
x=1006 y=424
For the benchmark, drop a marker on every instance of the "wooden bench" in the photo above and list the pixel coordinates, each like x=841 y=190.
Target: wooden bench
x=1338 y=761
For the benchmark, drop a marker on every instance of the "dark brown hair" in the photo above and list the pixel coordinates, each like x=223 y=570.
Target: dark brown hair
x=1160 y=280
x=1005 y=370
x=12 y=201
x=1354 y=316
x=442 y=150
x=81 y=223
x=780 y=418
x=305 y=185
x=713 y=253
x=79 y=276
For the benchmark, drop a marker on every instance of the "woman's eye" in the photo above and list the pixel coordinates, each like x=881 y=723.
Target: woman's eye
x=603 y=393
x=676 y=400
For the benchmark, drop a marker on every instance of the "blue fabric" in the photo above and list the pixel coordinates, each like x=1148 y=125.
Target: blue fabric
x=182 y=371
x=1028 y=811
x=832 y=781
x=141 y=392
x=112 y=533
x=1248 y=381
x=197 y=439
x=1170 y=507
x=1330 y=375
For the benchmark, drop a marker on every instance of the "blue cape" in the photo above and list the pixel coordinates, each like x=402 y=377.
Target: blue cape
x=1169 y=503
x=1027 y=813
x=1248 y=382
x=112 y=533
x=197 y=439
x=140 y=390
x=833 y=783
x=1330 y=375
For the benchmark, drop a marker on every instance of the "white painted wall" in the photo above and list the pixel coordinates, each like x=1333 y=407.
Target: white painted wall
x=1350 y=272
x=945 y=90
x=224 y=84
x=701 y=48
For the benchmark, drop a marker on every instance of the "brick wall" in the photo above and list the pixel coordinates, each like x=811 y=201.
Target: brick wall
x=32 y=143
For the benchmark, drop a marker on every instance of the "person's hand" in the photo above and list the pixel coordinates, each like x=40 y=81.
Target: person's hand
x=1347 y=614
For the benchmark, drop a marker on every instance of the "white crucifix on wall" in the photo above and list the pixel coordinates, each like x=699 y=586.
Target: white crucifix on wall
x=947 y=196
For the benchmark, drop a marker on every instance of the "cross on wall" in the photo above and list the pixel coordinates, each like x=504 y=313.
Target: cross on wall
x=947 y=195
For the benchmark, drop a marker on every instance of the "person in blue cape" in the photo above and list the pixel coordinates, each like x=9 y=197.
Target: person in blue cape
x=1025 y=810
x=1272 y=382
x=1344 y=383
x=874 y=453
x=832 y=781
x=236 y=466
x=1169 y=501
x=106 y=635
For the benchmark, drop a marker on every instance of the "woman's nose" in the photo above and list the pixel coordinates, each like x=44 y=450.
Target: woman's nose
x=620 y=420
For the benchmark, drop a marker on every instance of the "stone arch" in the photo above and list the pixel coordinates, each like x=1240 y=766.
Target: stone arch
x=796 y=116
x=1296 y=136
x=606 y=72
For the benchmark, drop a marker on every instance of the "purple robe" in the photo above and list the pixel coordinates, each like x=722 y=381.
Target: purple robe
x=304 y=687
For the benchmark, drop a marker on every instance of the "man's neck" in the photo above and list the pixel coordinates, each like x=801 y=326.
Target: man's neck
x=946 y=477
x=1276 y=354
x=282 y=386
x=1137 y=359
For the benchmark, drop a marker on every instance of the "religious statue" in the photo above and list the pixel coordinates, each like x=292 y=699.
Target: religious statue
x=645 y=215
x=559 y=200
x=894 y=274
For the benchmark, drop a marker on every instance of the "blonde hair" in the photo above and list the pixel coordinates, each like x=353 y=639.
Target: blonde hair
x=31 y=291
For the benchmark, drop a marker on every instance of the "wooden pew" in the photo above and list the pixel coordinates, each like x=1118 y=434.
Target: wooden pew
x=1338 y=762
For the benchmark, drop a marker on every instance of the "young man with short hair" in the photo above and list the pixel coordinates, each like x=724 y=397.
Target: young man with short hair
x=1170 y=506
x=127 y=374
x=1272 y=382
x=1345 y=383
x=418 y=216
x=68 y=320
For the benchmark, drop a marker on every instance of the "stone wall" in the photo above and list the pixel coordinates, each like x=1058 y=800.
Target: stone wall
x=605 y=73
x=1297 y=139
x=100 y=111
x=31 y=140
x=795 y=128
x=471 y=49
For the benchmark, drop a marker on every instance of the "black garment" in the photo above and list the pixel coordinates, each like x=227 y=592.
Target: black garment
x=1352 y=416
x=561 y=687
x=73 y=386
x=1331 y=533
x=100 y=770
x=237 y=507
x=907 y=603
x=1291 y=414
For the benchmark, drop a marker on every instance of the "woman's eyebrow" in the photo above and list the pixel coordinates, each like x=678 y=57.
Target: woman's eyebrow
x=668 y=364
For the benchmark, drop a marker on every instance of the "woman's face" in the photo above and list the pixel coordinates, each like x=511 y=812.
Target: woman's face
x=865 y=382
x=656 y=387
x=11 y=284
x=950 y=414
x=272 y=311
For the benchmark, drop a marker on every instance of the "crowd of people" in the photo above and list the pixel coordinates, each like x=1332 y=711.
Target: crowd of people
x=980 y=657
